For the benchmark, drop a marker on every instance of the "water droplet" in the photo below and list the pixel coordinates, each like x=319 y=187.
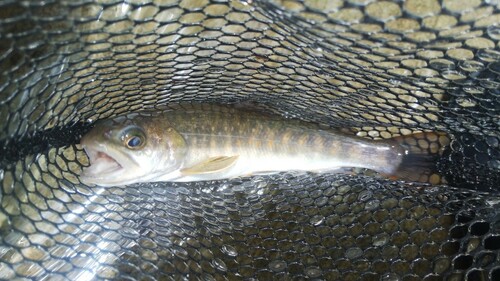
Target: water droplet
x=219 y=264
x=395 y=82
x=313 y=271
x=464 y=102
x=380 y=240
x=322 y=201
x=473 y=90
x=372 y=205
x=215 y=70
x=390 y=277
x=317 y=220
x=330 y=191
x=229 y=250
x=16 y=239
x=441 y=64
x=260 y=184
x=180 y=252
x=453 y=75
x=266 y=70
x=246 y=2
x=115 y=199
x=365 y=195
x=128 y=232
x=277 y=265
x=494 y=32
x=183 y=190
x=353 y=253
x=471 y=66
x=488 y=55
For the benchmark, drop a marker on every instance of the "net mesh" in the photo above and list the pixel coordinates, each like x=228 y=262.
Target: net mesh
x=376 y=68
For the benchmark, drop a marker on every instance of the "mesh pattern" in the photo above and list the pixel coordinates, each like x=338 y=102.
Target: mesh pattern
x=378 y=69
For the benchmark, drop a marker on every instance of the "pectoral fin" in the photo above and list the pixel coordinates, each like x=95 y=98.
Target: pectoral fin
x=211 y=165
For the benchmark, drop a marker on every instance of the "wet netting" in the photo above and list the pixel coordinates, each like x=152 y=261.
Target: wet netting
x=375 y=68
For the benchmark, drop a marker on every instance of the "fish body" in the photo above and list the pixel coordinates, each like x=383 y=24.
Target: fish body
x=210 y=144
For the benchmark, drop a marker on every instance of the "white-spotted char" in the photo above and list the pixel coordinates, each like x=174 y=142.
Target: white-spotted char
x=211 y=143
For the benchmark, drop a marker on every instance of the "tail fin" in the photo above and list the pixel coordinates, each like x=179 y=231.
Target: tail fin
x=422 y=152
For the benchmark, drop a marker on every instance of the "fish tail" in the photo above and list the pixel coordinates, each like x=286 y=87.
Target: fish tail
x=422 y=152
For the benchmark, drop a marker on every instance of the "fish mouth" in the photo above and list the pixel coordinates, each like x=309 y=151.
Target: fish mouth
x=103 y=165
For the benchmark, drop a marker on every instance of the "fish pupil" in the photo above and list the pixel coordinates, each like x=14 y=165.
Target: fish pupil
x=134 y=142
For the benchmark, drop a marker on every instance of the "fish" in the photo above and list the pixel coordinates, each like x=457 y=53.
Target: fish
x=213 y=143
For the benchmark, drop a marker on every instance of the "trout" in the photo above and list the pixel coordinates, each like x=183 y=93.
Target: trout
x=200 y=144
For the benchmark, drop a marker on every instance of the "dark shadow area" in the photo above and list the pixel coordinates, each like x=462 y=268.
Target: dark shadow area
x=13 y=150
x=471 y=162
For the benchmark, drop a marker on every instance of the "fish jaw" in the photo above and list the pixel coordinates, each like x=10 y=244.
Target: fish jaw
x=108 y=167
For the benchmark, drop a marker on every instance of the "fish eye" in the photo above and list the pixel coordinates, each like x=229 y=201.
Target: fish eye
x=134 y=139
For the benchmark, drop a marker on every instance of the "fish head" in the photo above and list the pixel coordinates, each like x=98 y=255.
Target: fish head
x=133 y=148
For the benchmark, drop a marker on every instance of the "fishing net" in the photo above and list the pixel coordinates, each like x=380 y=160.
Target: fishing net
x=375 y=68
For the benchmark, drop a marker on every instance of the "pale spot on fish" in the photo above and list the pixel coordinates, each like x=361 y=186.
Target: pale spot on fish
x=286 y=137
x=303 y=139
x=270 y=144
x=318 y=141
